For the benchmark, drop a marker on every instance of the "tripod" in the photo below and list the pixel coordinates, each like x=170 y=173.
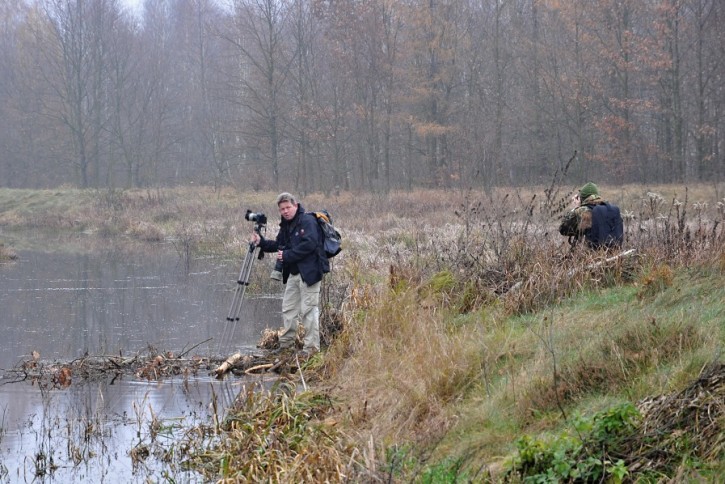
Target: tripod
x=242 y=282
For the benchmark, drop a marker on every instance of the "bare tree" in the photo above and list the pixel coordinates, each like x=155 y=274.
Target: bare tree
x=373 y=95
x=72 y=46
x=433 y=75
x=259 y=81
x=704 y=65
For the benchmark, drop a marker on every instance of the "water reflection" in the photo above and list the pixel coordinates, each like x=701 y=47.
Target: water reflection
x=89 y=432
x=116 y=300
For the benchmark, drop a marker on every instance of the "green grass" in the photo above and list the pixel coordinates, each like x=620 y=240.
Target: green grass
x=627 y=347
x=34 y=201
x=440 y=366
x=471 y=384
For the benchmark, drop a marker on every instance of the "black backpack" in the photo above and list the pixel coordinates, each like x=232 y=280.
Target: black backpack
x=331 y=238
x=607 y=227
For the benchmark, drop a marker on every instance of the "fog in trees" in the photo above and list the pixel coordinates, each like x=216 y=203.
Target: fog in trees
x=315 y=95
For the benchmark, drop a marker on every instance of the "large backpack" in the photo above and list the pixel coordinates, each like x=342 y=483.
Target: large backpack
x=607 y=227
x=331 y=238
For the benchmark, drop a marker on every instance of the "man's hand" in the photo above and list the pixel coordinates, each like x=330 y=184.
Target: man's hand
x=279 y=255
x=255 y=238
x=575 y=202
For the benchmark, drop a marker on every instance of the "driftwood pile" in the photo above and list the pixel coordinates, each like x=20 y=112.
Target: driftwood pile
x=150 y=365
x=147 y=365
x=282 y=363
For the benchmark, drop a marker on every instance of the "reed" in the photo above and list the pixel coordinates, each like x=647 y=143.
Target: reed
x=455 y=322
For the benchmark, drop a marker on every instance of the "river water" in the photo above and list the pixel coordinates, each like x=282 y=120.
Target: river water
x=68 y=298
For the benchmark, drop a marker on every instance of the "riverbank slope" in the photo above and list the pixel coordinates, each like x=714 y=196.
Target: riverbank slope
x=475 y=345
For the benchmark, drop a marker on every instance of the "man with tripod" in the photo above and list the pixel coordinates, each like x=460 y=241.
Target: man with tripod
x=300 y=250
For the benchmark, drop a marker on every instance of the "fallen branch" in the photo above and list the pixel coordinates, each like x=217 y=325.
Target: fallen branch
x=228 y=364
x=517 y=286
x=253 y=369
x=602 y=262
x=184 y=353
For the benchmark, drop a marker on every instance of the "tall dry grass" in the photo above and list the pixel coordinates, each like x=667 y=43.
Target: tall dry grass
x=435 y=277
x=273 y=437
x=444 y=296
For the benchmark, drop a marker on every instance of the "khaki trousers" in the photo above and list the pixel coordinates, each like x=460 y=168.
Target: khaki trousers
x=300 y=303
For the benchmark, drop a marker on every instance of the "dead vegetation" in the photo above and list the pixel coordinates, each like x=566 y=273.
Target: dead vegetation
x=427 y=314
x=681 y=425
x=447 y=311
x=150 y=365
x=278 y=436
x=6 y=253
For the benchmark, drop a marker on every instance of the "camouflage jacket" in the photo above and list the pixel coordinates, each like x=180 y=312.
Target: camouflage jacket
x=579 y=220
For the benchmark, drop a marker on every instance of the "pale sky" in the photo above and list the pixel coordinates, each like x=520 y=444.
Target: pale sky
x=133 y=3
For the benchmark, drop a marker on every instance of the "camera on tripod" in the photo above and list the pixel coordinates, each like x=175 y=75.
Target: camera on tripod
x=260 y=218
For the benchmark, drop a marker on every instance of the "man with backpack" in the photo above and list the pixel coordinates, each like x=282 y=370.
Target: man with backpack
x=594 y=219
x=299 y=247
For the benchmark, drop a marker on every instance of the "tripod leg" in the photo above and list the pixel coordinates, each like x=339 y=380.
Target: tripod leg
x=241 y=282
x=236 y=306
x=234 y=303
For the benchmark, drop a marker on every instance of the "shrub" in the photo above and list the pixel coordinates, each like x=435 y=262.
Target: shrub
x=583 y=455
x=655 y=281
x=7 y=253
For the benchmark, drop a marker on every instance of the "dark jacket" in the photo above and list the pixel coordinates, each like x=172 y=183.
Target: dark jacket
x=595 y=220
x=607 y=228
x=302 y=250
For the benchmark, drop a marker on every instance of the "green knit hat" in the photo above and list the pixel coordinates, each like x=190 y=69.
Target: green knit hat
x=588 y=190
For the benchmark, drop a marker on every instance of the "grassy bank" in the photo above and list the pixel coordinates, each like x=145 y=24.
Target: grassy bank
x=475 y=344
x=422 y=386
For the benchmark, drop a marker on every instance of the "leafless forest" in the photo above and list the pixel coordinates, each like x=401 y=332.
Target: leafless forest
x=317 y=95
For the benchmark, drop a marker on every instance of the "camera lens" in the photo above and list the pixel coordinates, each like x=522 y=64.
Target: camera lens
x=260 y=218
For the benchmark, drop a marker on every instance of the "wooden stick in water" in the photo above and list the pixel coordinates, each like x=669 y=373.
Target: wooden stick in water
x=228 y=364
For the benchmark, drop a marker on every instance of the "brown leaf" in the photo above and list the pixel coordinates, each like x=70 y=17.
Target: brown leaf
x=64 y=376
